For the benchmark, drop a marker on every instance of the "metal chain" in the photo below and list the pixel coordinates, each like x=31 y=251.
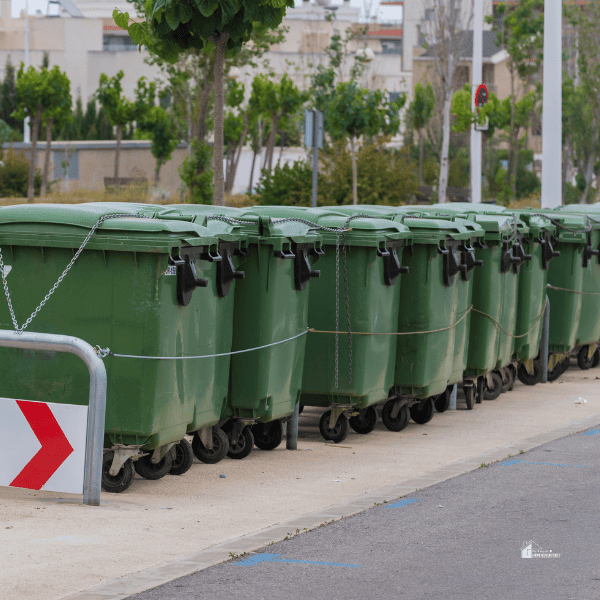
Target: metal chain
x=229 y=220
x=63 y=275
x=557 y=223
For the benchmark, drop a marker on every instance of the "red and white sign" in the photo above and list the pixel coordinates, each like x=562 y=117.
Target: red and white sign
x=42 y=445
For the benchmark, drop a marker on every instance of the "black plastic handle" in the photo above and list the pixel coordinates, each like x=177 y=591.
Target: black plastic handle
x=303 y=271
x=392 y=268
x=187 y=277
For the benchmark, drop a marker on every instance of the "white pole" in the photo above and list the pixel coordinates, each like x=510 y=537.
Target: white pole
x=476 y=81
x=552 y=106
x=26 y=128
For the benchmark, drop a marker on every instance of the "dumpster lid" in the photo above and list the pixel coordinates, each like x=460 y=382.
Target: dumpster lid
x=31 y=217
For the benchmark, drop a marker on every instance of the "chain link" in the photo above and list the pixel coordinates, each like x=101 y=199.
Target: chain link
x=229 y=220
x=63 y=275
x=557 y=223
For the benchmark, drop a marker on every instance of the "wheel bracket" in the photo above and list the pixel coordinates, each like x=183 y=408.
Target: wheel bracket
x=121 y=455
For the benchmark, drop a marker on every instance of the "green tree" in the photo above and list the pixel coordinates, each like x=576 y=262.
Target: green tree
x=119 y=111
x=57 y=112
x=418 y=116
x=34 y=95
x=173 y=26
x=156 y=122
x=354 y=112
x=197 y=175
x=519 y=30
x=8 y=96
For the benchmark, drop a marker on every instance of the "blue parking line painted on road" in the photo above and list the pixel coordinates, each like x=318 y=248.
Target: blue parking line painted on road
x=526 y=462
x=404 y=502
x=592 y=432
x=266 y=557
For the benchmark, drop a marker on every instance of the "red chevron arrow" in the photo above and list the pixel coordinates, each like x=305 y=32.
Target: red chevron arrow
x=55 y=446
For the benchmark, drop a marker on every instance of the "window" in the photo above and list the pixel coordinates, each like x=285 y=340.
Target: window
x=429 y=14
x=391 y=46
x=396 y=95
x=118 y=43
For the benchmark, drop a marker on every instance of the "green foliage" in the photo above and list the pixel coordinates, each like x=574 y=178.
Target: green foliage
x=14 y=174
x=197 y=175
x=384 y=177
x=8 y=97
x=289 y=185
x=459 y=174
x=421 y=108
x=355 y=111
x=8 y=134
x=174 y=26
x=118 y=109
x=527 y=181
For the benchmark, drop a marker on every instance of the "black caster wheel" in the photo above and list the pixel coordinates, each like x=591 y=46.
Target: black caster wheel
x=213 y=455
x=338 y=433
x=268 y=436
x=596 y=360
x=495 y=391
x=526 y=378
x=507 y=379
x=583 y=361
x=300 y=409
x=469 y=391
x=183 y=458
x=397 y=423
x=442 y=402
x=558 y=369
x=145 y=468
x=242 y=446
x=120 y=482
x=423 y=412
x=513 y=376
x=365 y=421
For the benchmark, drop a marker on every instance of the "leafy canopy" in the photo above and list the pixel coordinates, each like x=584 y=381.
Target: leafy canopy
x=173 y=26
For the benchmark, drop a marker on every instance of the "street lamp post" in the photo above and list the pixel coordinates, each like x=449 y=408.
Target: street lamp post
x=477 y=77
x=26 y=128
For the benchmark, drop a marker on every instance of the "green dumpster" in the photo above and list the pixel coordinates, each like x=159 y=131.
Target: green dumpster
x=588 y=332
x=358 y=294
x=440 y=257
x=132 y=292
x=270 y=322
x=571 y=278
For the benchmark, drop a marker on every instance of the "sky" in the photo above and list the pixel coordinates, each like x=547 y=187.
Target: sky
x=385 y=13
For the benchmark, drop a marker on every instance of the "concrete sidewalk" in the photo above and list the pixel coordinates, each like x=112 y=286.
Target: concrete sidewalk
x=465 y=538
x=51 y=546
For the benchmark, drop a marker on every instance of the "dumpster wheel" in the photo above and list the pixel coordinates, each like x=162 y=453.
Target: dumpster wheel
x=584 y=360
x=365 y=421
x=268 y=436
x=559 y=369
x=145 y=468
x=242 y=446
x=470 y=395
x=183 y=458
x=492 y=392
x=530 y=378
x=423 y=412
x=217 y=453
x=338 y=432
x=398 y=421
x=508 y=380
x=442 y=402
x=117 y=483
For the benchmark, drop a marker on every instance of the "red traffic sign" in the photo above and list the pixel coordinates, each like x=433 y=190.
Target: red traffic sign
x=43 y=445
x=481 y=96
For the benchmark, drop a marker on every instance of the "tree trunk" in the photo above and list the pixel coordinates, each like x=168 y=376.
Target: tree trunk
x=515 y=165
x=420 y=157
x=444 y=157
x=354 y=173
x=220 y=43
x=281 y=149
x=271 y=142
x=236 y=157
x=589 y=172
x=118 y=149
x=254 y=155
x=44 y=189
x=35 y=131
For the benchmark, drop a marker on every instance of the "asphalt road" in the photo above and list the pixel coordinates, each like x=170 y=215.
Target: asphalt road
x=459 y=540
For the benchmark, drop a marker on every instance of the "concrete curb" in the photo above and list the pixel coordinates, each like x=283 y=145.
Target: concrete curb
x=135 y=583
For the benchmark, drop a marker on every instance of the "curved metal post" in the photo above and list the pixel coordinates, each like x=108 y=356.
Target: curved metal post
x=94 y=443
